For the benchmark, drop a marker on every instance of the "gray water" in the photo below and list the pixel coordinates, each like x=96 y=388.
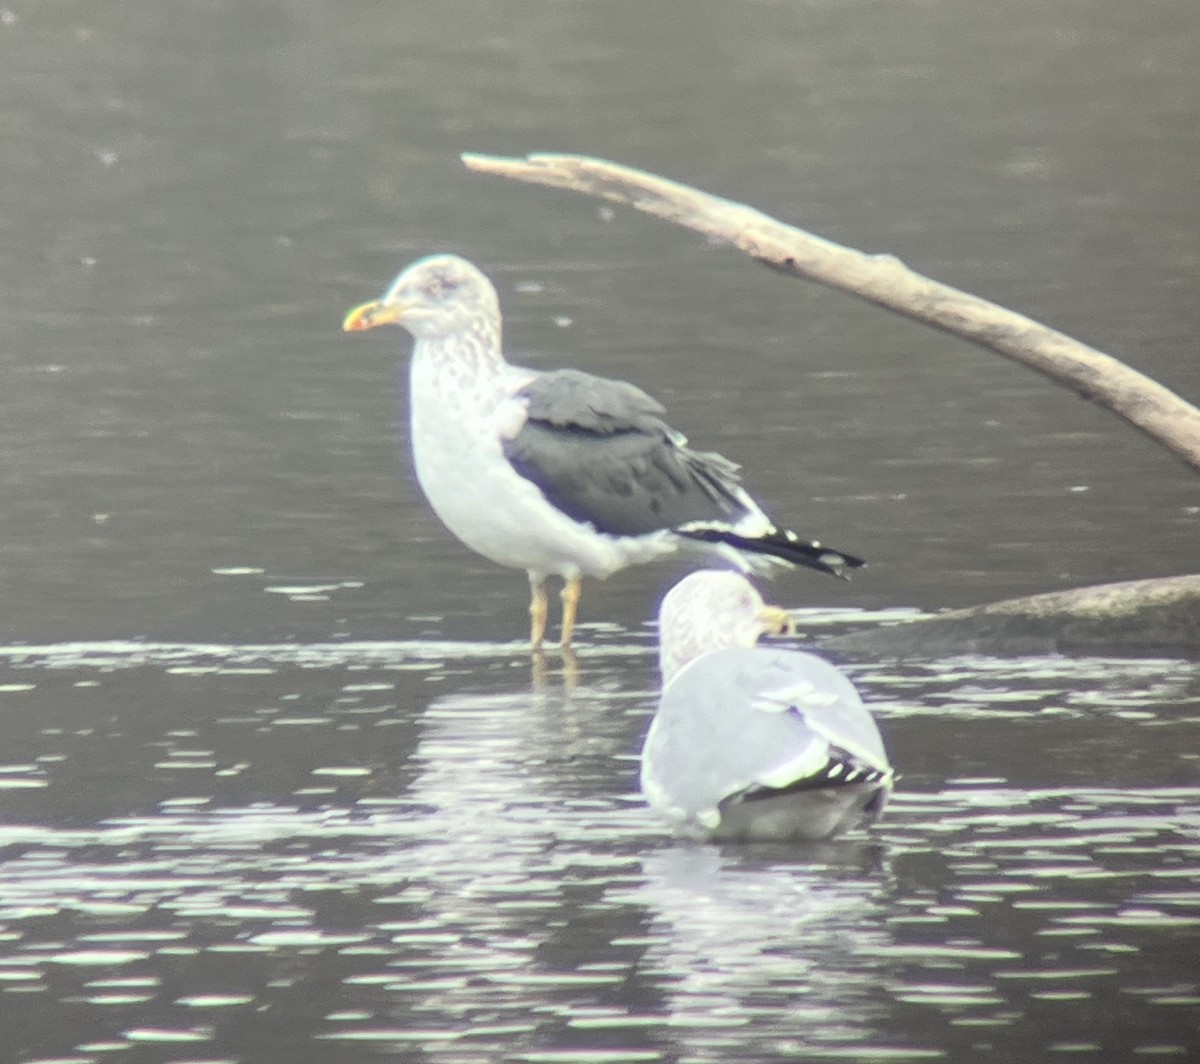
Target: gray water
x=278 y=781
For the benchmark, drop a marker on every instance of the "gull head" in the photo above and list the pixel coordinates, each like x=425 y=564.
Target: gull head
x=711 y=610
x=436 y=297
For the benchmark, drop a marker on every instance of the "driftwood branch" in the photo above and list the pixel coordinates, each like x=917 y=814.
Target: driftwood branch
x=882 y=279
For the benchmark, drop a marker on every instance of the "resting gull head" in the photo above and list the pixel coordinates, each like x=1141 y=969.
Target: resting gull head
x=711 y=610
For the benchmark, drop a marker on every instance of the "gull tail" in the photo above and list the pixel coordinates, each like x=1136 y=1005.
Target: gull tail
x=779 y=544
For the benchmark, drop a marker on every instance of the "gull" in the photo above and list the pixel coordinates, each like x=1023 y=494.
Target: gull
x=754 y=743
x=558 y=473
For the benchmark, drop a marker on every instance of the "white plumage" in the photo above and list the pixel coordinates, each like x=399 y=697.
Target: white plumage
x=750 y=742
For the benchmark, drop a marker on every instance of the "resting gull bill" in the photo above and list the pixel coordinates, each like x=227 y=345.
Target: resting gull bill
x=754 y=743
x=558 y=473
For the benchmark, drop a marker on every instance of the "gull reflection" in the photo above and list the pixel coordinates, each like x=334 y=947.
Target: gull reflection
x=739 y=932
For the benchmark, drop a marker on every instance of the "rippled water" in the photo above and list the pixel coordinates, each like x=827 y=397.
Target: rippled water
x=333 y=852
x=277 y=781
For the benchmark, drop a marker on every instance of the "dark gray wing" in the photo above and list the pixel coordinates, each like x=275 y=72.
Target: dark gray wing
x=599 y=452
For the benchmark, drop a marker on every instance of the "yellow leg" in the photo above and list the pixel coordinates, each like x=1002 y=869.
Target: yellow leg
x=537 y=671
x=538 y=610
x=570 y=671
x=570 y=603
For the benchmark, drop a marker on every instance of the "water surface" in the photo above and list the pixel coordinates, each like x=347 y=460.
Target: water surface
x=314 y=852
x=278 y=781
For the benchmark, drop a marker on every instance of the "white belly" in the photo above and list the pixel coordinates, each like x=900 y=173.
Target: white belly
x=496 y=512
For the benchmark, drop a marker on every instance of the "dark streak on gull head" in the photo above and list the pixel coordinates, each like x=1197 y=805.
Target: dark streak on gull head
x=435 y=297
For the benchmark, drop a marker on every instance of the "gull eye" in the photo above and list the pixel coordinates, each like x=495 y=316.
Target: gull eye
x=441 y=287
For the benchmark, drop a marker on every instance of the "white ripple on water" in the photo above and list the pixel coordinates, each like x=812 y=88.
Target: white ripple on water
x=306 y=938
x=214 y=1001
x=611 y=641
x=586 y=1055
x=127 y=654
x=105 y=958
x=168 y=1035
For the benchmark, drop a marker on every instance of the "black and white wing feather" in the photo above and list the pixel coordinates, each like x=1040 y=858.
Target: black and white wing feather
x=600 y=452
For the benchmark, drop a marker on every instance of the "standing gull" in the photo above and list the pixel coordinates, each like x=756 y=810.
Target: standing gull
x=557 y=473
x=749 y=742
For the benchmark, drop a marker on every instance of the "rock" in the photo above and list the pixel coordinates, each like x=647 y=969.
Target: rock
x=1132 y=618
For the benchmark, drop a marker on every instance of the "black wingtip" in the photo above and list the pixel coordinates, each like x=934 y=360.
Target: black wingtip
x=783 y=544
x=841 y=770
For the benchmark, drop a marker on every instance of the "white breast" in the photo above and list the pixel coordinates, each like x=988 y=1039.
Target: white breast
x=459 y=418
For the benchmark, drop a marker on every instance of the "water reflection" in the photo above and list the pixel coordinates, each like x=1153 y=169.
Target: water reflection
x=412 y=849
x=741 y=937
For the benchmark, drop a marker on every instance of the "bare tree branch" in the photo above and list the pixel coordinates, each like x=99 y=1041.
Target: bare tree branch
x=882 y=279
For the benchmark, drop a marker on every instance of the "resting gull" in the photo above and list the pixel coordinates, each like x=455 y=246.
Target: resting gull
x=557 y=473
x=751 y=742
